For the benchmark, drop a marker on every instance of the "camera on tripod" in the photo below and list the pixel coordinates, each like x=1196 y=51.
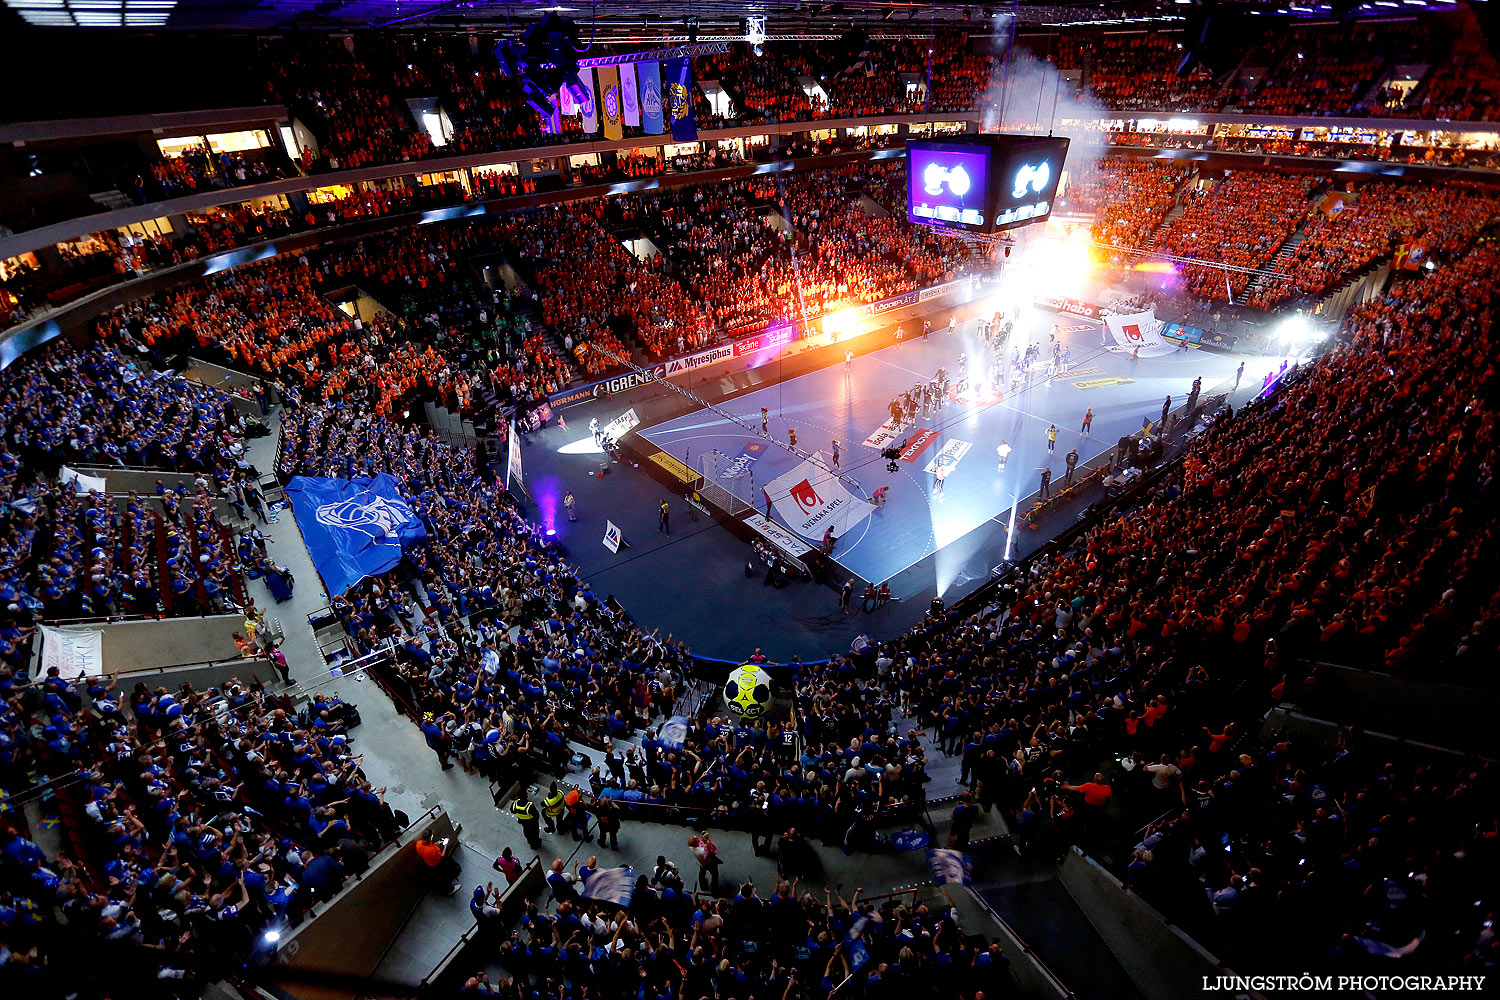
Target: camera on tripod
x=890 y=455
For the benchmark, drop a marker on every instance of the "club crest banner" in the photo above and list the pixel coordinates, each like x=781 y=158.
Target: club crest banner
x=630 y=99
x=1141 y=330
x=679 y=73
x=610 y=103
x=353 y=528
x=649 y=77
x=812 y=499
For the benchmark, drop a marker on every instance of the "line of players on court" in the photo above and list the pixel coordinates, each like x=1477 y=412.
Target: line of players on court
x=924 y=400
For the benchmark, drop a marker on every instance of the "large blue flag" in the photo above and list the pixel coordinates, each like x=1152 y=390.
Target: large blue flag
x=679 y=83
x=353 y=528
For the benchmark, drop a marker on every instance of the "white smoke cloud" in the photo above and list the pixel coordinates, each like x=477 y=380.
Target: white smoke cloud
x=1028 y=95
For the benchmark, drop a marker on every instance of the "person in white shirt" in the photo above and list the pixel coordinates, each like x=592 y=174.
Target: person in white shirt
x=1002 y=450
x=1163 y=774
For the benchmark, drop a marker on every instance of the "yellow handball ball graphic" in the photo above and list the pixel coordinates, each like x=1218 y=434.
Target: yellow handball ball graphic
x=747 y=692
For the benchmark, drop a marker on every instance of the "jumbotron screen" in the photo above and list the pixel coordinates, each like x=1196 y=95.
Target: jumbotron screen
x=983 y=183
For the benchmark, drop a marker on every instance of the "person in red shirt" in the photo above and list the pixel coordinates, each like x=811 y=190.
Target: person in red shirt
x=1096 y=794
x=442 y=868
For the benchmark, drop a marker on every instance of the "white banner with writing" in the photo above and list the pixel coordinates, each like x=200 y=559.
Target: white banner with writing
x=81 y=483
x=1141 y=330
x=811 y=499
x=72 y=651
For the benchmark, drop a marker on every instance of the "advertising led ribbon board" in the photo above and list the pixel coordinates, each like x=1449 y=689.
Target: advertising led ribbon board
x=983 y=183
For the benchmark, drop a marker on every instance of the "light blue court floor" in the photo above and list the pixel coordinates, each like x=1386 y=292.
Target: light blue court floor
x=917 y=519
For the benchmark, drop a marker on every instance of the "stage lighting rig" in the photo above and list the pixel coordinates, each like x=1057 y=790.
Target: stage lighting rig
x=544 y=59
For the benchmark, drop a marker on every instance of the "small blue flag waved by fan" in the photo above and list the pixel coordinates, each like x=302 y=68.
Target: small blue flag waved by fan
x=910 y=840
x=854 y=943
x=950 y=867
x=490 y=661
x=612 y=885
x=674 y=732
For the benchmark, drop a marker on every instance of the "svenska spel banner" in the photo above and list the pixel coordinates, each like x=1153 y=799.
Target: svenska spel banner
x=1141 y=330
x=811 y=499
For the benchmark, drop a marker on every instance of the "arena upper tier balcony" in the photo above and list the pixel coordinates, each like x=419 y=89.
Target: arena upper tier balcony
x=337 y=129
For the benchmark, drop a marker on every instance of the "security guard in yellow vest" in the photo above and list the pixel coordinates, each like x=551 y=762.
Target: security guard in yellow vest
x=525 y=814
x=552 y=808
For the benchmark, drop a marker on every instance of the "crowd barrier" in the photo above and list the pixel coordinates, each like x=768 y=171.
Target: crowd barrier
x=1159 y=957
x=345 y=938
x=477 y=946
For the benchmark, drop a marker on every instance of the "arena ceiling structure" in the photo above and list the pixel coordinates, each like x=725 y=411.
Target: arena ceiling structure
x=625 y=21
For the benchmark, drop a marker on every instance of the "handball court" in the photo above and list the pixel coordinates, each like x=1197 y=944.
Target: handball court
x=691 y=581
x=924 y=535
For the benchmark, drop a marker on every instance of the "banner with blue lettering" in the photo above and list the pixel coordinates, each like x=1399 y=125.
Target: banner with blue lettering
x=679 y=73
x=743 y=464
x=649 y=76
x=353 y=528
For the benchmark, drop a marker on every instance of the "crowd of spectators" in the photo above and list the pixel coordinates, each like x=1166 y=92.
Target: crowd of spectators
x=1128 y=198
x=83 y=554
x=1464 y=87
x=1240 y=221
x=1134 y=72
x=1326 y=70
x=195 y=820
x=338 y=93
x=1440 y=221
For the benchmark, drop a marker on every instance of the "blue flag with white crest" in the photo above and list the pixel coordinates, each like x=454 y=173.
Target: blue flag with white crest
x=353 y=528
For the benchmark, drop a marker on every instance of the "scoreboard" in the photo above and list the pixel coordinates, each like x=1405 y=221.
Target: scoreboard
x=983 y=183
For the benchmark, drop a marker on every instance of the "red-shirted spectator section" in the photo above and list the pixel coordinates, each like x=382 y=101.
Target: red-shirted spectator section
x=1241 y=221
x=1463 y=87
x=1326 y=70
x=762 y=88
x=594 y=288
x=1438 y=220
x=1133 y=72
x=1129 y=199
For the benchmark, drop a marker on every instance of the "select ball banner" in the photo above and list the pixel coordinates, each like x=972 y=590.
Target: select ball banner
x=812 y=499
